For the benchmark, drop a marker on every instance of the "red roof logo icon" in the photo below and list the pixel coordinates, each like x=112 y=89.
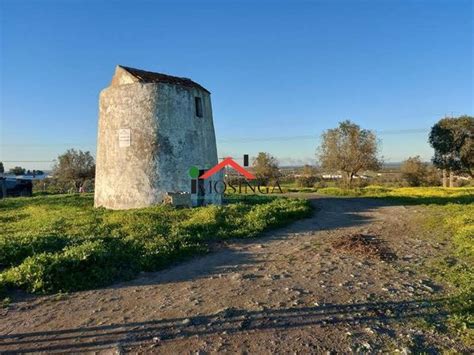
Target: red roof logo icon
x=228 y=162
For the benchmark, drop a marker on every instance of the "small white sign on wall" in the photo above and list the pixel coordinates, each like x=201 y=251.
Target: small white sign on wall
x=124 y=137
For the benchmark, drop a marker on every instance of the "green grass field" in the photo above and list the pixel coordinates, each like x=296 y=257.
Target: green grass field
x=60 y=243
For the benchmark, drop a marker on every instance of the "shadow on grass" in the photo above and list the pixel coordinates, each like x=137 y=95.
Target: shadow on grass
x=87 y=200
x=230 y=320
x=55 y=201
x=390 y=200
x=403 y=200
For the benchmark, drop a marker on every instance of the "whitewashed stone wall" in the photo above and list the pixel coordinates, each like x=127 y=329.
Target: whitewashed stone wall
x=166 y=139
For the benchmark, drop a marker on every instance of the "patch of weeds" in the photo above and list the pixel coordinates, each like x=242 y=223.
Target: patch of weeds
x=316 y=245
x=60 y=296
x=408 y=195
x=64 y=244
x=455 y=225
x=5 y=302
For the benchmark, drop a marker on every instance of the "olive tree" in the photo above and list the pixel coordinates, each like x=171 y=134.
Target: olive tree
x=265 y=167
x=453 y=142
x=349 y=149
x=74 y=168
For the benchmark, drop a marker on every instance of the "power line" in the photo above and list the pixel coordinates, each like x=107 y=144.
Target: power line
x=46 y=144
x=229 y=140
x=28 y=161
x=313 y=136
x=223 y=140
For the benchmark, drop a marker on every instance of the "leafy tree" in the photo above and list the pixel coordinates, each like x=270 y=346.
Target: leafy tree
x=2 y=169
x=309 y=170
x=414 y=171
x=17 y=170
x=453 y=141
x=74 y=167
x=349 y=149
x=266 y=167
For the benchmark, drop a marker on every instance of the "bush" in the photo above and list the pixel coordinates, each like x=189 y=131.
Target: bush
x=320 y=184
x=14 y=250
x=414 y=171
x=306 y=181
x=52 y=186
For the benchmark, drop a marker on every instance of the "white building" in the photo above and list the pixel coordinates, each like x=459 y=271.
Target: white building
x=152 y=129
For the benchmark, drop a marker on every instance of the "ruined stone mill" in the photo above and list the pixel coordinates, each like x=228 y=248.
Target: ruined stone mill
x=152 y=129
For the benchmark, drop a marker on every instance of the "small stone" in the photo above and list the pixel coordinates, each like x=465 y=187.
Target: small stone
x=428 y=288
x=186 y=321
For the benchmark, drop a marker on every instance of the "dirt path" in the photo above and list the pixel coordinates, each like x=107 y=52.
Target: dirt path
x=289 y=290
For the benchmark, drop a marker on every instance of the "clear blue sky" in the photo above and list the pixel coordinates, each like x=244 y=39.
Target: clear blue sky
x=276 y=69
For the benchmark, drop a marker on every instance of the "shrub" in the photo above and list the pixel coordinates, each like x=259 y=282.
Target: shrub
x=306 y=181
x=14 y=250
x=414 y=171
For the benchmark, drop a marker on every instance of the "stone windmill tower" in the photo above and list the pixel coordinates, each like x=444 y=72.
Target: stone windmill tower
x=152 y=128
